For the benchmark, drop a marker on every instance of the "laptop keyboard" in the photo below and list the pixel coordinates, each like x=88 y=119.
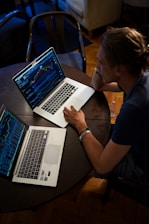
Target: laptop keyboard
x=33 y=155
x=59 y=98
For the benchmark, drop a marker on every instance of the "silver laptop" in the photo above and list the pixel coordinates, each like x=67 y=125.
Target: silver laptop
x=30 y=154
x=48 y=91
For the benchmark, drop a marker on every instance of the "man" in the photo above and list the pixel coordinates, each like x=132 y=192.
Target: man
x=122 y=59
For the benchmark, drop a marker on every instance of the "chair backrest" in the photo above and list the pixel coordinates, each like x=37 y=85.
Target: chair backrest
x=55 y=29
x=14 y=35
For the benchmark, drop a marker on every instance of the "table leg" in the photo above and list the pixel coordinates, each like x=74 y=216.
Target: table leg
x=31 y=6
x=23 y=5
x=56 y=4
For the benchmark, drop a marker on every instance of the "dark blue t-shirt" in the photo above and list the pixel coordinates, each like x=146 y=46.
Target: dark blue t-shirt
x=132 y=123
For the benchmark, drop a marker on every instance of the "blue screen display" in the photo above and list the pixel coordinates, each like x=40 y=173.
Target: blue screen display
x=11 y=131
x=37 y=80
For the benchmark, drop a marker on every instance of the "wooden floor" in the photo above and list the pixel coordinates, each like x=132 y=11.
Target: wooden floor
x=83 y=204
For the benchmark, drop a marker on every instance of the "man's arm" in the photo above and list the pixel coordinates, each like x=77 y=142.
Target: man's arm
x=98 y=83
x=103 y=159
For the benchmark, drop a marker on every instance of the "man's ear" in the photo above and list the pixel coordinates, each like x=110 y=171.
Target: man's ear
x=120 y=69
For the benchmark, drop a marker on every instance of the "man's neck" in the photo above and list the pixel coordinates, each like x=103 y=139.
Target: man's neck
x=127 y=83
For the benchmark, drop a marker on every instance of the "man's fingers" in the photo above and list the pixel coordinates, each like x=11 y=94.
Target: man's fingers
x=72 y=108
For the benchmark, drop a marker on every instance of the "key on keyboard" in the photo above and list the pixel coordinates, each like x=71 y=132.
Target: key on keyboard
x=59 y=98
x=33 y=155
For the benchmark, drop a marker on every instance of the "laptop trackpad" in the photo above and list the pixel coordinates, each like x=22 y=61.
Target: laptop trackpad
x=52 y=154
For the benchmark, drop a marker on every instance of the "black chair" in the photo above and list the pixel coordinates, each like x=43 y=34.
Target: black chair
x=57 y=29
x=14 y=36
x=134 y=191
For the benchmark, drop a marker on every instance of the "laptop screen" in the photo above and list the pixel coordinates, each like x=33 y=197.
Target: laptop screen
x=11 y=131
x=40 y=77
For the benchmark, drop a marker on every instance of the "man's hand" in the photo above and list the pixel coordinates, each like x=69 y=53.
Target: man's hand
x=75 y=118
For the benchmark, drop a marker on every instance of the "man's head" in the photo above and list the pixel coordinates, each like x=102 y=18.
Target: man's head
x=124 y=46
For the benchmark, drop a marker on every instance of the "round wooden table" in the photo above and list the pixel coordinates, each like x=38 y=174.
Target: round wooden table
x=75 y=164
